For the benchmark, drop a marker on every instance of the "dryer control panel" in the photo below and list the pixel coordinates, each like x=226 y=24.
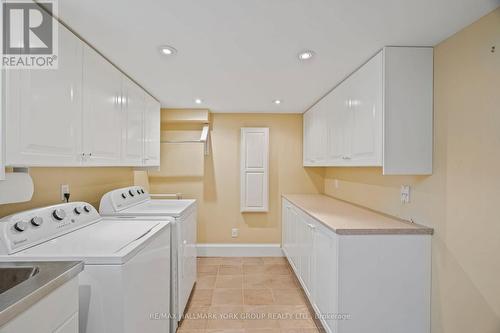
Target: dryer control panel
x=120 y=199
x=32 y=227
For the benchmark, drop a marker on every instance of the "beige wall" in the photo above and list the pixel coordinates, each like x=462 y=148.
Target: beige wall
x=86 y=184
x=217 y=190
x=461 y=199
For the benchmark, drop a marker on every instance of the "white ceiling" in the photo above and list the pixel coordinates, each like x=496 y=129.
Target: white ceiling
x=240 y=55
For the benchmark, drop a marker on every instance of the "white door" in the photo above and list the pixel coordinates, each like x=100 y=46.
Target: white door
x=102 y=114
x=152 y=123
x=254 y=164
x=44 y=110
x=365 y=104
x=133 y=106
x=324 y=275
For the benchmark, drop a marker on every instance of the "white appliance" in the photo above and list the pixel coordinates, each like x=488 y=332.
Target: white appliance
x=135 y=203
x=123 y=286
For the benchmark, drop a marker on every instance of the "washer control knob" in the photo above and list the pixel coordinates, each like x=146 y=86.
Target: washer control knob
x=37 y=221
x=142 y=191
x=131 y=193
x=139 y=192
x=78 y=210
x=21 y=226
x=59 y=214
x=87 y=208
x=124 y=195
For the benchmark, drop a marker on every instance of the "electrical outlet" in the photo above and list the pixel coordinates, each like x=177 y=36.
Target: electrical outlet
x=405 y=194
x=234 y=232
x=64 y=190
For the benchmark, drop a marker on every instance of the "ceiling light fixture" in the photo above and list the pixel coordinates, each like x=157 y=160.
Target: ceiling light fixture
x=198 y=101
x=167 y=50
x=277 y=101
x=306 y=55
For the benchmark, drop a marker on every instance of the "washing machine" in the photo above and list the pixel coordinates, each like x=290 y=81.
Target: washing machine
x=135 y=203
x=124 y=287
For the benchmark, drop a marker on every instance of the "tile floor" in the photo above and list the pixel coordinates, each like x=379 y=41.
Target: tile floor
x=247 y=295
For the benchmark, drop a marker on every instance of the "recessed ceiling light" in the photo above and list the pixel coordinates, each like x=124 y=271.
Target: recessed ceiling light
x=306 y=55
x=277 y=101
x=167 y=50
x=198 y=101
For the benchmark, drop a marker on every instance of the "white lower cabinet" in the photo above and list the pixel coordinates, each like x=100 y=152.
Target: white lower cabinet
x=325 y=275
x=359 y=283
x=55 y=313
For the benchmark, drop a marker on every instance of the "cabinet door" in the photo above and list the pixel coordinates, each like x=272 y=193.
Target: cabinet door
x=152 y=123
x=306 y=232
x=2 y=166
x=316 y=135
x=133 y=106
x=285 y=227
x=254 y=169
x=337 y=121
x=294 y=236
x=44 y=110
x=102 y=125
x=324 y=275
x=365 y=105
x=321 y=133
x=308 y=138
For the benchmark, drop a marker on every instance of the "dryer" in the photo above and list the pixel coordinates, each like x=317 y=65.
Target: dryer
x=124 y=287
x=135 y=203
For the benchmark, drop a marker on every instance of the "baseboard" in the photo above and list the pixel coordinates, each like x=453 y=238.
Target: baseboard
x=239 y=250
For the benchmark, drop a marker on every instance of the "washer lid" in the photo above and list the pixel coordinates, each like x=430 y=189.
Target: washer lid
x=106 y=242
x=159 y=207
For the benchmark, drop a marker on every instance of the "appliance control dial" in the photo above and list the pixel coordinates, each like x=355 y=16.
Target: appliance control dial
x=139 y=192
x=21 y=226
x=37 y=221
x=87 y=208
x=142 y=191
x=124 y=195
x=78 y=210
x=131 y=193
x=59 y=214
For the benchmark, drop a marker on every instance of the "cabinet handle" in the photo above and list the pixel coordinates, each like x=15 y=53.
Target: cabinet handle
x=312 y=226
x=346 y=157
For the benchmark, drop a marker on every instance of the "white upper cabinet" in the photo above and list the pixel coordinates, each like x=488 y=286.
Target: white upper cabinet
x=152 y=123
x=364 y=107
x=133 y=110
x=381 y=115
x=254 y=176
x=84 y=113
x=102 y=114
x=44 y=110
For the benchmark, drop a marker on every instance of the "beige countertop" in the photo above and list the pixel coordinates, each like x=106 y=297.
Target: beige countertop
x=348 y=219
